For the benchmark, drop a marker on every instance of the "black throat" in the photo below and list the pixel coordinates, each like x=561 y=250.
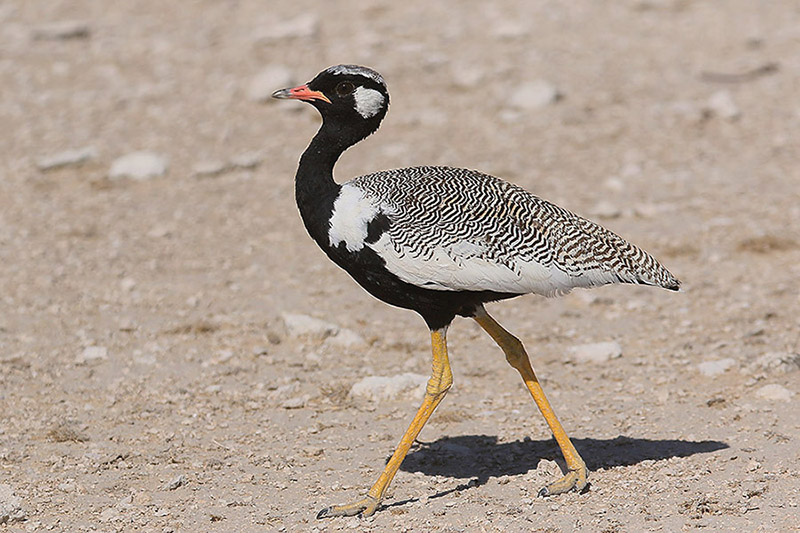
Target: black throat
x=314 y=187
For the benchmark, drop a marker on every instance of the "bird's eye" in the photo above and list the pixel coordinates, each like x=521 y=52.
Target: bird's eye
x=345 y=88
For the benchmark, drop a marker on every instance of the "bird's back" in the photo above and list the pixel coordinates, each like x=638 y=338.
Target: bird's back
x=454 y=229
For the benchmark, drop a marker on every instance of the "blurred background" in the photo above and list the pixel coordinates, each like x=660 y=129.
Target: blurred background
x=150 y=251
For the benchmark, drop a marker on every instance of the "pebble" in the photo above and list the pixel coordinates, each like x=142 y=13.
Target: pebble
x=139 y=166
x=401 y=386
x=775 y=392
x=598 y=352
x=205 y=169
x=294 y=403
x=604 y=209
x=722 y=105
x=247 y=160
x=177 y=481
x=346 y=338
x=715 y=368
x=66 y=158
x=776 y=363
x=92 y=353
x=62 y=30
x=10 y=506
x=266 y=82
x=534 y=95
x=298 y=325
x=467 y=76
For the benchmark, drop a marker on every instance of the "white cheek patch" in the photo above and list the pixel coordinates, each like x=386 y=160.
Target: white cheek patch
x=368 y=102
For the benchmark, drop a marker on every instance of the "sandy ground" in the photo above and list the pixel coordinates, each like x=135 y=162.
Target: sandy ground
x=148 y=379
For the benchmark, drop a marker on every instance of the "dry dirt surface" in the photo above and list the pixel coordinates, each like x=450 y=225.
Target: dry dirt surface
x=159 y=366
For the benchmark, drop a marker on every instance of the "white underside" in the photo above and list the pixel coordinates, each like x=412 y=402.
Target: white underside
x=454 y=270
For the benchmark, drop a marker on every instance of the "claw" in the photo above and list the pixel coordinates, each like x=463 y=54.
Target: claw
x=575 y=479
x=365 y=507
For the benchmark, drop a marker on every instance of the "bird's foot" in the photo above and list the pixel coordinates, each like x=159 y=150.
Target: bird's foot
x=575 y=479
x=365 y=507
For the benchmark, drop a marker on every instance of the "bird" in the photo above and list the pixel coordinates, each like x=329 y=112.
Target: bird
x=443 y=242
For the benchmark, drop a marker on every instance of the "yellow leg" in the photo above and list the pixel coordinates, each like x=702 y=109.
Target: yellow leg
x=440 y=381
x=518 y=358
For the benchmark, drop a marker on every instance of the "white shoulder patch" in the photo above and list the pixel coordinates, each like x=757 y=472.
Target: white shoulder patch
x=352 y=213
x=368 y=102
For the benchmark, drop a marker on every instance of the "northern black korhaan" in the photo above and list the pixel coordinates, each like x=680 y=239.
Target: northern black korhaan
x=443 y=241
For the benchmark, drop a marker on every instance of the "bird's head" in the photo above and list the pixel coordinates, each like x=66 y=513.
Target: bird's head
x=345 y=95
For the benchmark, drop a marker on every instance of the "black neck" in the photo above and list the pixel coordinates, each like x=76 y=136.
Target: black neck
x=315 y=190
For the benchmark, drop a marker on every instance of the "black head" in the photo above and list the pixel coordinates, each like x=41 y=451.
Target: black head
x=347 y=96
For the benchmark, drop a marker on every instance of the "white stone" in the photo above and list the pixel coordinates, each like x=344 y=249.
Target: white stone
x=534 y=95
x=248 y=160
x=776 y=362
x=605 y=209
x=294 y=403
x=270 y=79
x=174 y=483
x=66 y=158
x=775 y=392
x=347 y=338
x=298 y=325
x=722 y=105
x=598 y=352
x=715 y=368
x=398 y=387
x=92 y=353
x=10 y=506
x=139 y=166
x=209 y=168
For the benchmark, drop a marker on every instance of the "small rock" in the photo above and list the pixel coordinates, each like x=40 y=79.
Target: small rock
x=177 y=481
x=598 y=352
x=775 y=392
x=263 y=84
x=534 y=95
x=715 y=368
x=301 y=27
x=294 y=403
x=604 y=209
x=66 y=158
x=346 y=338
x=92 y=353
x=109 y=514
x=776 y=363
x=401 y=386
x=298 y=325
x=722 y=105
x=247 y=160
x=10 y=506
x=138 y=166
x=62 y=30
x=206 y=169
x=127 y=284
x=467 y=76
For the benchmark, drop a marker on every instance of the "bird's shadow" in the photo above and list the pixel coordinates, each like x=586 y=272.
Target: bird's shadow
x=481 y=457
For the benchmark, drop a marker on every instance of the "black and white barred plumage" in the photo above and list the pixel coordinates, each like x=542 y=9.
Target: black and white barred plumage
x=454 y=229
